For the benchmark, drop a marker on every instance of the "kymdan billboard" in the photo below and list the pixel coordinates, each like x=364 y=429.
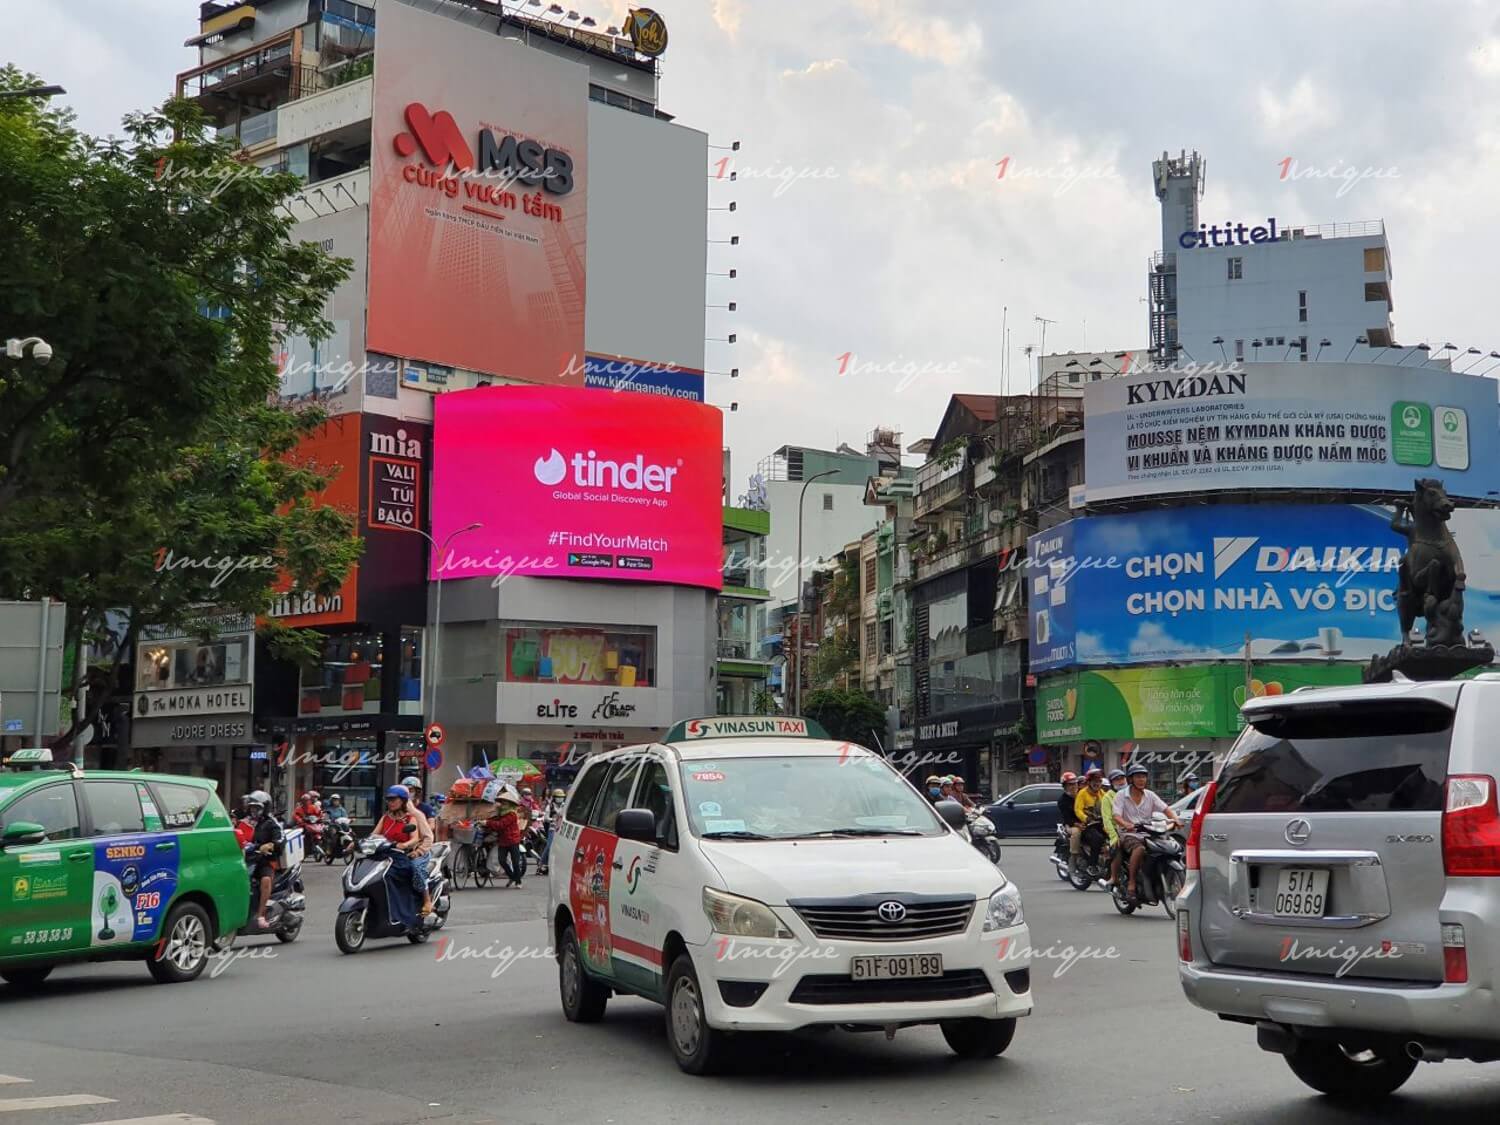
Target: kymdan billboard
x=1304 y=582
x=477 y=200
x=1348 y=426
x=572 y=483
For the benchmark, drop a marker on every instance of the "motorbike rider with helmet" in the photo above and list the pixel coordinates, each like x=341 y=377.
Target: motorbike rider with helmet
x=1067 y=810
x=934 y=788
x=1089 y=804
x=550 y=815
x=1189 y=784
x=1133 y=808
x=265 y=841
x=399 y=814
x=1116 y=781
x=414 y=786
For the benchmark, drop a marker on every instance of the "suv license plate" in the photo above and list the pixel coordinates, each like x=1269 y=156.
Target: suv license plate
x=902 y=967
x=1301 y=892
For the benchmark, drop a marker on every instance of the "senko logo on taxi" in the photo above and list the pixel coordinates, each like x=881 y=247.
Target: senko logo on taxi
x=745 y=726
x=125 y=851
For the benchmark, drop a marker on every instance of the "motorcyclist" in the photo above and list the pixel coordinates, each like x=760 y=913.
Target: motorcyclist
x=551 y=816
x=934 y=787
x=399 y=813
x=335 y=809
x=1088 y=804
x=1189 y=784
x=1111 y=830
x=414 y=786
x=1133 y=808
x=265 y=842
x=1067 y=810
x=960 y=796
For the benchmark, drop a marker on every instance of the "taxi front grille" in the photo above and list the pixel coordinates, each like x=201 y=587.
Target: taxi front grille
x=959 y=984
x=862 y=919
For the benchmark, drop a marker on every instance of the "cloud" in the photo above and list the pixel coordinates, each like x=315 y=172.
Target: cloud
x=922 y=35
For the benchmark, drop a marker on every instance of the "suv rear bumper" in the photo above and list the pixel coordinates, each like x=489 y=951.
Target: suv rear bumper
x=1416 y=1011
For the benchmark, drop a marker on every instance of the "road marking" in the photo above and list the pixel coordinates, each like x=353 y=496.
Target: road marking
x=164 y=1119
x=15 y=1105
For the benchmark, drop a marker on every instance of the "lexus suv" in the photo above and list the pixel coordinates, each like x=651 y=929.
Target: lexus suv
x=1343 y=891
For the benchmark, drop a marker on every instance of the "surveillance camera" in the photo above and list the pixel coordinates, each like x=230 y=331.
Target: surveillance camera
x=41 y=352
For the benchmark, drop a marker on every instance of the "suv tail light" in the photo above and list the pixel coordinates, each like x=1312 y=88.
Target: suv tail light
x=1195 y=833
x=1184 y=937
x=1455 y=955
x=1471 y=826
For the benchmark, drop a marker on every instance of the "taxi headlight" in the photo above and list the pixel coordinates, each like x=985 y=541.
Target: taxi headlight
x=1004 y=909
x=741 y=917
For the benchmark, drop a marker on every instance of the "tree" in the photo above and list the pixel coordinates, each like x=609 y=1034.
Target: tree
x=146 y=468
x=850 y=716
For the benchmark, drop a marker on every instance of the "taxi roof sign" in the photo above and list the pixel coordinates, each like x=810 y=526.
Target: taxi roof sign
x=745 y=726
x=32 y=755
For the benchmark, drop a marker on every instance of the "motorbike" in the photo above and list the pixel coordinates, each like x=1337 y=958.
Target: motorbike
x=1091 y=864
x=340 y=841
x=1059 y=855
x=982 y=836
x=1162 y=871
x=288 y=903
x=365 y=912
x=314 y=827
x=532 y=842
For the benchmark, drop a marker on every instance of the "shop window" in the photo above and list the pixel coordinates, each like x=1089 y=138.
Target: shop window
x=187 y=664
x=1236 y=269
x=828 y=501
x=410 y=699
x=623 y=657
x=348 y=680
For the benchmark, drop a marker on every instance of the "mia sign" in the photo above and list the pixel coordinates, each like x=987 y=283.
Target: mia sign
x=571 y=483
x=477 y=200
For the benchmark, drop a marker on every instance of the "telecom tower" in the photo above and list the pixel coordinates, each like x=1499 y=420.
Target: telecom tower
x=1179 y=186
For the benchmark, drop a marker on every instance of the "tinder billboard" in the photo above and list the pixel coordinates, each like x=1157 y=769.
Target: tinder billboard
x=568 y=483
x=477 y=200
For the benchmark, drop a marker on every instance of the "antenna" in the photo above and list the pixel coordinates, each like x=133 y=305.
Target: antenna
x=1043 y=321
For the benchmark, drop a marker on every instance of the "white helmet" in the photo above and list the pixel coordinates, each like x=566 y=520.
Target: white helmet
x=411 y=782
x=258 y=797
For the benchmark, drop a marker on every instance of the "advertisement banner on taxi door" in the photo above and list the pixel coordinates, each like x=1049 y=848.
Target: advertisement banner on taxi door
x=478 y=183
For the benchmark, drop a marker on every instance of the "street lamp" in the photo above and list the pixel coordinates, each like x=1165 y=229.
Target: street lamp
x=437 y=614
x=797 y=687
x=33 y=92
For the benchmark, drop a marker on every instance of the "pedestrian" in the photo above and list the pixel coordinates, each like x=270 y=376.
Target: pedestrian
x=505 y=828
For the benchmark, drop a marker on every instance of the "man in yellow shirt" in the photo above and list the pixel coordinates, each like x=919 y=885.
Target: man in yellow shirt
x=1086 y=804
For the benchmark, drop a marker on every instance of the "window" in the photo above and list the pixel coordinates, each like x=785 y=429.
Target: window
x=1072 y=376
x=618 y=656
x=184 y=664
x=828 y=501
x=1302 y=348
x=869 y=640
x=1302 y=305
x=1375 y=259
x=623 y=772
x=1239 y=350
x=585 y=789
x=1236 y=269
x=347 y=682
x=113 y=807
x=54 y=807
x=870 y=582
x=656 y=795
x=180 y=805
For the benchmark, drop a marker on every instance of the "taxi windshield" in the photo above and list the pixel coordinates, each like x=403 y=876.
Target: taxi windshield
x=802 y=797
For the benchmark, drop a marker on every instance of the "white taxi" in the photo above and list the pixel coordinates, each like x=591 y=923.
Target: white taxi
x=751 y=874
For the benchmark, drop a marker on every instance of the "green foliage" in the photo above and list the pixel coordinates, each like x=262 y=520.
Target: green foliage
x=850 y=716
x=352 y=71
x=836 y=656
x=764 y=702
x=162 y=273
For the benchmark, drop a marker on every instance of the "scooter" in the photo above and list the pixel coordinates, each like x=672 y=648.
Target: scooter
x=1059 y=856
x=366 y=913
x=982 y=836
x=340 y=841
x=1091 y=864
x=1162 y=871
x=287 y=905
x=314 y=826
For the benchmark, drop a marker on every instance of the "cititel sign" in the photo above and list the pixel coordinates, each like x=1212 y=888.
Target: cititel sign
x=513 y=159
x=1230 y=234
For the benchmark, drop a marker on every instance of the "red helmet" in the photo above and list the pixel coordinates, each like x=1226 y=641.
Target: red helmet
x=1069 y=776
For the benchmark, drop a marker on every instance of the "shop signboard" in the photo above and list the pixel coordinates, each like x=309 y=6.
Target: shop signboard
x=1192 y=701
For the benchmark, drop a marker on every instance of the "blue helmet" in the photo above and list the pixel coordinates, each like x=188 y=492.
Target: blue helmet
x=399 y=791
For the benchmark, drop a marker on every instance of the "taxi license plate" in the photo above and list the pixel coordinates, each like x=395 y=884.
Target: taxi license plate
x=904 y=967
x=1301 y=892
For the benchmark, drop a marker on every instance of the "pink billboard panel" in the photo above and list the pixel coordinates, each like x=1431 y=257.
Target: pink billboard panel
x=478 y=189
x=573 y=483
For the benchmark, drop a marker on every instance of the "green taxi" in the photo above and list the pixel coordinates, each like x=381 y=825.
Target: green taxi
x=113 y=866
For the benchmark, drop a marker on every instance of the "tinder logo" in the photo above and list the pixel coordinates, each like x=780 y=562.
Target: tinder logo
x=438 y=134
x=590 y=471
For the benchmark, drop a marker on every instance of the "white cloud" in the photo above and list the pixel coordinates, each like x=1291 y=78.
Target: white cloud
x=1303 y=109
x=921 y=34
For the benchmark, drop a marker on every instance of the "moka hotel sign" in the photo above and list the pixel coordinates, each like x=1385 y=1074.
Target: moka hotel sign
x=1230 y=234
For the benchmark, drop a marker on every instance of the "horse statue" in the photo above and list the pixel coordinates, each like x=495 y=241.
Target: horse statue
x=1430 y=582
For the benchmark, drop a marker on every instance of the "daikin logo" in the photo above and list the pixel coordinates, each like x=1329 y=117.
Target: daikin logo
x=590 y=471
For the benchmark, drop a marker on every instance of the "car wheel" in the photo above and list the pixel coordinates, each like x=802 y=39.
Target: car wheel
x=182 y=953
x=698 y=1048
x=25 y=979
x=978 y=1038
x=583 y=998
x=349 y=931
x=1365 y=1075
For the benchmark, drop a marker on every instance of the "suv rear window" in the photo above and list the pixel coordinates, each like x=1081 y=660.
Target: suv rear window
x=1382 y=756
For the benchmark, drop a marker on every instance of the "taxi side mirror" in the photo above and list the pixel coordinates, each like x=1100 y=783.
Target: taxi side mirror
x=21 y=833
x=636 y=824
x=952 y=813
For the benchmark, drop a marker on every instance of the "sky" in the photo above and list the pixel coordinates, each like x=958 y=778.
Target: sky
x=914 y=177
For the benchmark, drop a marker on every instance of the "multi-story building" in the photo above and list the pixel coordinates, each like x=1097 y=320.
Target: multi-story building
x=1263 y=288
x=743 y=671
x=489 y=172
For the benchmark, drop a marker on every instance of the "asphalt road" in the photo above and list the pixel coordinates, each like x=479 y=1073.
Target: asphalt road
x=401 y=1033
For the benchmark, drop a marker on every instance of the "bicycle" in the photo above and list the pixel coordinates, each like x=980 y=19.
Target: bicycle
x=470 y=857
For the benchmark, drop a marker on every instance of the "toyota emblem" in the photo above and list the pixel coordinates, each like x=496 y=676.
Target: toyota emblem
x=891 y=912
x=1297 y=831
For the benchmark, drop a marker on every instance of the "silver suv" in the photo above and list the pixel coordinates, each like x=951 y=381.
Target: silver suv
x=1343 y=891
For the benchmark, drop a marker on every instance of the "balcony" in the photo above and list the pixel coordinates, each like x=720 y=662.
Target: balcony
x=328 y=197
x=325 y=110
x=962 y=554
x=251 y=131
